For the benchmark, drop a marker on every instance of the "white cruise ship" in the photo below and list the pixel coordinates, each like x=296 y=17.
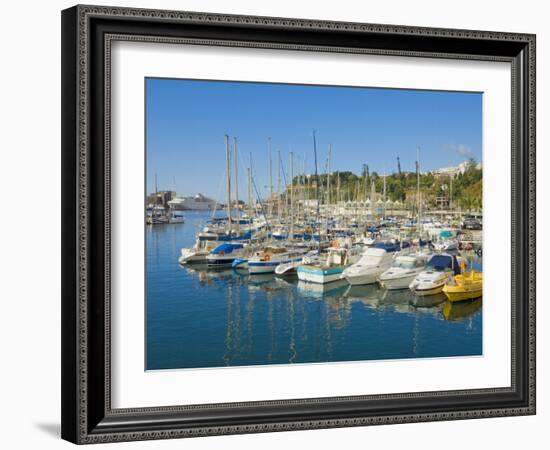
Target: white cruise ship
x=197 y=203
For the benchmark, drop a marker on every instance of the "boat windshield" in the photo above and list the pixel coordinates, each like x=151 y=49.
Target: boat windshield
x=440 y=263
x=404 y=264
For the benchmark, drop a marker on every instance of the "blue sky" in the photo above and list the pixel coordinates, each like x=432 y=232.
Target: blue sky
x=186 y=121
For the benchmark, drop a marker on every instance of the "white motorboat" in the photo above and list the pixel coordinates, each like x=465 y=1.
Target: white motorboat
x=224 y=254
x=289 y=268
x=267 y=259
x=439 y=269
x=403 y=271
x=330 y=269
x=372 y=263
x=198 y=252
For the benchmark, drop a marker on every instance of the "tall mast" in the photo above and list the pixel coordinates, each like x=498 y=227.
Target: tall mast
x=291 y=195
x=384 y=196
x=305 y=192
x=279 y=184
x=250 y=206
x=372 y=196
x=357 y=198
x=365 y=180
x=156 y=185
x=317 y=186
x=338 y=188
x=228 y=178
x=238 y=214
x=249 y=193
x=418 y=185
x=270 y=170
x=451 y=193
x=328 y=176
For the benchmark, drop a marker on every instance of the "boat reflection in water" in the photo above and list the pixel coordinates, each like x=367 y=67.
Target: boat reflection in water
x=207 y=275
x=461 y=310
x=428 y=301
x=320 y=291
x=203 y=317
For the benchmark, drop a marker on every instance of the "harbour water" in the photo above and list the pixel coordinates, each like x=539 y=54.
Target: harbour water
x=198 y=317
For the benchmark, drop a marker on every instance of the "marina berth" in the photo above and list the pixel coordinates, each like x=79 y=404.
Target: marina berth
x=439 y=269
x=403 y=271
x=224 y=254
x=370 y=265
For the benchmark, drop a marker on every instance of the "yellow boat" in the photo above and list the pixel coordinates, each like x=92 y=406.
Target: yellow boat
x=466 y=286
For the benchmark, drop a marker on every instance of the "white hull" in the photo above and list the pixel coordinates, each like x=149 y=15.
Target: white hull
x=397 y=283
x=428 y=290
x=193 y=257
x=258 y=269
x=432 y=280
x=360 y=279
x=286 y=269
x=373 y=262
x=271 y=266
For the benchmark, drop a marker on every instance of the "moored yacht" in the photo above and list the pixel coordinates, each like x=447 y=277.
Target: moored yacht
x=403 y=271
x=289 y=268
x=439 y=269
x=224 y=254
x=330 y=269
x=198 y=252
x=267 y=259
x=372 y=263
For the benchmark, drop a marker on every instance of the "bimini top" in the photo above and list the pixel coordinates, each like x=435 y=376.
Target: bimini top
x=388 y=246
x=443 y=262
x=225 y=249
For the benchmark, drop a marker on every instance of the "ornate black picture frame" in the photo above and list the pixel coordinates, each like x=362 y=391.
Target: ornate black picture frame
x=87 y=33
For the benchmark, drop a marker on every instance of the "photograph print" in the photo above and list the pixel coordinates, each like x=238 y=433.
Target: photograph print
x=299 y=224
